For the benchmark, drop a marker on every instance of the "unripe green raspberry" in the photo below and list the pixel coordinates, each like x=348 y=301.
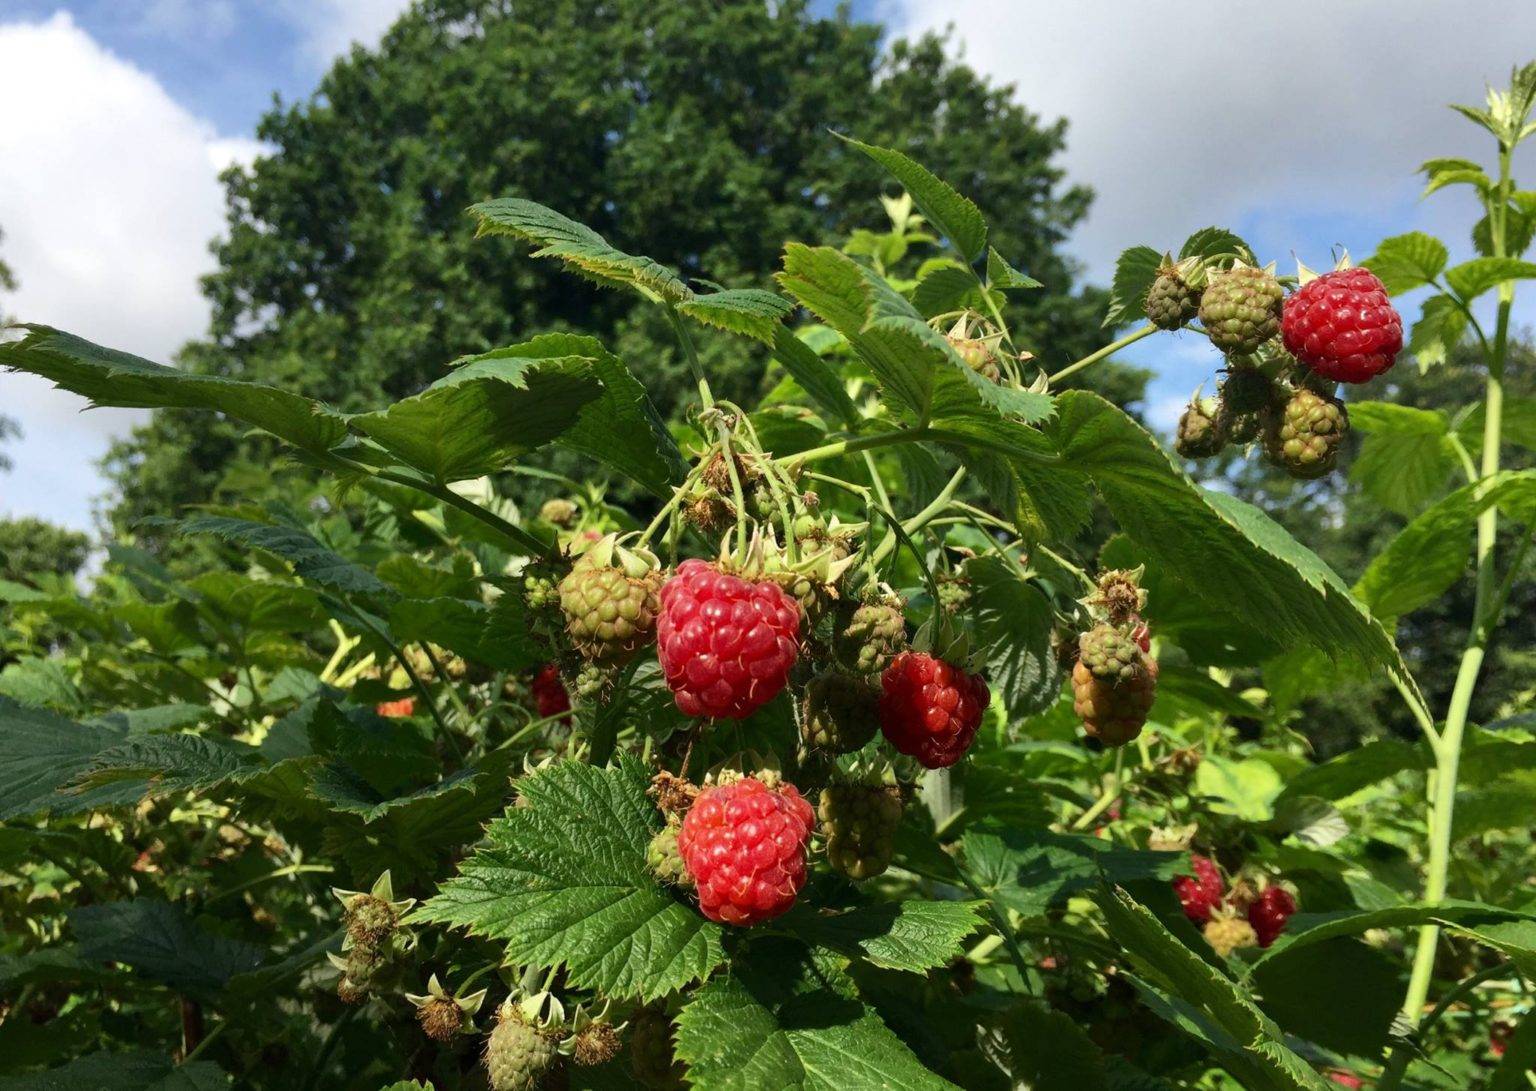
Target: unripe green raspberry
x=610 y=601
x=870 y=637
x=651 y=1058
x=664 y=859
x=1304 y=435
x=1247 y=390
x=1110 y=653
x=1228 y=933
x=841 y=712
x=1171 y=301
x=860 y=822
x=517 y=1056
x=559 y=511
x=1199 y=434
x=978 y=356
x=370 y=920
x=1240 y=309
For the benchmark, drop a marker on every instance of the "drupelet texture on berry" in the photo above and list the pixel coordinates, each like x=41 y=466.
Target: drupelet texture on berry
x=1200 y=433
x=726 y=644
x=1304 y=435
x=841 y=712
x=744 y=844
x=517 y=1055
x=1240 y=309
x=549 y=694
x=1201 y=892
x=931 y=709
x=1343 y=326
x=609 y=602
x=1269 y=913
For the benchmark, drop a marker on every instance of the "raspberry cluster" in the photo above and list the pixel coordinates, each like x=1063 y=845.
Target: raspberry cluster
x=1232 y=918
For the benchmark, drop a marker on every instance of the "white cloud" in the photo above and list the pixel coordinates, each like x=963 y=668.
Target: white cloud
x=1209 y=112
x=331 y=27
x=108 y=199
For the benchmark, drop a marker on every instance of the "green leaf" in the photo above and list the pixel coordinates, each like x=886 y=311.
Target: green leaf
x=780 y=1020
x=955 y=217
x=947 y=288
x=161 y=943
x=1012 y=623
x=1432 y=552
x=1031 y=870
x=1235 y=559
x=1472 y=278
x=750 y=311
x=1406 y=455
x=137 y=1071
x=109 y=377
x=460 y=626
x=1518 y=424
x=1047 y=1050
x=582 y=250
x=1450 y=172
x=1186 y=975
x=1354 y=769
x=40 y=753
x=912 y=935
x=1406 y=262
x=1341 y=994
x=43 y=682
x=1441 y=326
x=1210 y=243
x=1134 y=273
x=814 y=375
x=621 y=428
x=1519 y=1058
x=485 y=414
x=310 y=560
x=1246 y=789
x=1005 y=277
x=1305 y=929
x=157 y=765
x=562 y=879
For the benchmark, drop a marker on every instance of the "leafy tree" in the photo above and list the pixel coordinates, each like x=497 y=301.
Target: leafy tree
x=696 y=134
x=30 y=547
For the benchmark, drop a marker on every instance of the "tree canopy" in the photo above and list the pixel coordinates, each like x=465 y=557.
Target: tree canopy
x=697 y=134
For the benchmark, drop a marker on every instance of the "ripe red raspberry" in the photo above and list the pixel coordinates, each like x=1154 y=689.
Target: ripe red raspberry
x=931 y=709
x=726 y=644
x=1342 y=326
x=404 y=707
x=1201 y=892
x=744 y=845
x=549 y=695
x=1269 y=912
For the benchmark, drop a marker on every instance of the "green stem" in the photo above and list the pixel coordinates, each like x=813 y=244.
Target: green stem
x=453 y=691
x=516 y=534
x=922 y=518
x=290 y=869
x=691 y=354
x=737 y=492
x=1113 y=785
x=1108 y=350
x=858 y=443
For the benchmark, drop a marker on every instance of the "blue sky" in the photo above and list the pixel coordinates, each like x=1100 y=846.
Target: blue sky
x=119 y=114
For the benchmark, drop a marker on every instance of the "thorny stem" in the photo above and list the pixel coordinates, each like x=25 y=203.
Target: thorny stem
x=1108 y=350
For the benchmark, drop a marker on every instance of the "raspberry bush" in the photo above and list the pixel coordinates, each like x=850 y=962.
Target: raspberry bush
x=922 y=724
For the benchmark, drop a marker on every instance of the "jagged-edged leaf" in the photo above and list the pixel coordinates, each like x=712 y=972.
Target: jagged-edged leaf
x=387 y=753
x=1472 y=278
x=160 y=942
x=507 y=627
x=486 y=413
x=1046 y=1050
x=1305 y=929
x=1406 y=456
x=1186 y=686
x=1432 y=552
x=910 y=935
x=341 y=789
x=1246 y=788
x=109 y=377
x=1406 y=262
x=955 y=217
x=814 y=375
x=1517 y=424
x=1161 y=957
x=1354 y=769
x=1003 y=276
x=1215 y=242
x=1230 y=554
x=42 y=681
x=1013 y=621
x=155 y=765
x=582 y=250
x=946 y=288
x=1440 y=327
x=561 y=879
x=40 y=753
x=750 y=311
x=779 y=1019
x=1029 y=870
x=149 y=721
x=1135 y=271
x=620 y=428
x=310 y=560
x=1342 y=995
x=136 y=1071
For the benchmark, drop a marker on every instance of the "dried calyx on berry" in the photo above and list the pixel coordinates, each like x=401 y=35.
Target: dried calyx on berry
x=442 y=1015
x=610 y=600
